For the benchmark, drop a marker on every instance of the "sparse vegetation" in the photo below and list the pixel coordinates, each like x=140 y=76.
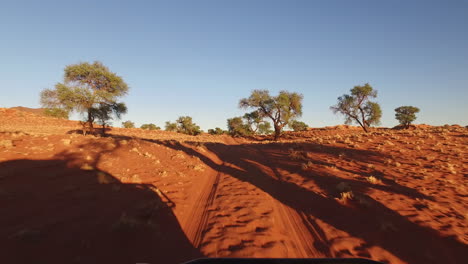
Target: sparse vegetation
x=150 y=126
x=185 y=125
x=357 y=107
x=216 y=131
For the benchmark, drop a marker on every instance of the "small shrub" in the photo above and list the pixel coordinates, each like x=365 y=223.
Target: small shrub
x=346 y=196
x=216 y=131
x=150 y=127
x=307 y=165
x=297 y=155
x=128 y=124
x=170 y=126
x=185 y=125
x=298 y=125
x=237 y=127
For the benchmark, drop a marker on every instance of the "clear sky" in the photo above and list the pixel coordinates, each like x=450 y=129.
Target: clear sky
x=199 y=58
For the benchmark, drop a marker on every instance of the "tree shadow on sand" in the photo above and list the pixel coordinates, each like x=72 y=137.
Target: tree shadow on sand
x=374 y=223
x=54 y=211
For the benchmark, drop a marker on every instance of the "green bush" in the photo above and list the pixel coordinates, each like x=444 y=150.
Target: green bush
x=216 y=131
x=185 y=125
x=171 y=126
x=237 y=127
x=150 y=127
x=128 y=124
x=298 y=125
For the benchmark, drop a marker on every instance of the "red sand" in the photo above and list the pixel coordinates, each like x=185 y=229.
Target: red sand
x=162 y=197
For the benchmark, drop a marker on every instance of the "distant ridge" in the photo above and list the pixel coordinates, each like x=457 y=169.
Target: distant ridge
x=38 y=111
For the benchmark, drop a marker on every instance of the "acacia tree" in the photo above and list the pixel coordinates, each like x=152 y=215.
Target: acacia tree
x=406 y=115
x=89 y=89
x=358 y=107
x=280 y=109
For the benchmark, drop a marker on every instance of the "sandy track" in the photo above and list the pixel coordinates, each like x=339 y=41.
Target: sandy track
x=304 y=234
x=259 y=225
x=196 y=220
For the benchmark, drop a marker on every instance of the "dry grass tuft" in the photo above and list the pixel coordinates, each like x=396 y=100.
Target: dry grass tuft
x=307 y=165
x=346 y=196
x=373 y=180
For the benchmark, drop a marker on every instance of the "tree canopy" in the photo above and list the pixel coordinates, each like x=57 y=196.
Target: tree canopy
x=406 y=115
x=280 y=109
x=90 y=89
x=357 y=107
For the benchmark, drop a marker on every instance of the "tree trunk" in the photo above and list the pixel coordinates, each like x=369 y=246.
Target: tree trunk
x=103 y=129
x=277 y=132
x=362 y=124
x=365 y=128
x=90 y=122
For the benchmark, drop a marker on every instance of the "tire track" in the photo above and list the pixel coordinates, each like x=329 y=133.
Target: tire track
x=195 y=222
x=307 y=237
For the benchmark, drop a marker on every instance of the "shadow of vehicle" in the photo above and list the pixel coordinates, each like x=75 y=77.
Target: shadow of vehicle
x=53 y=211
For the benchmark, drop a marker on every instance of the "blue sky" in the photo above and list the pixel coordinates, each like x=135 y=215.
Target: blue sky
x=199 y=58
